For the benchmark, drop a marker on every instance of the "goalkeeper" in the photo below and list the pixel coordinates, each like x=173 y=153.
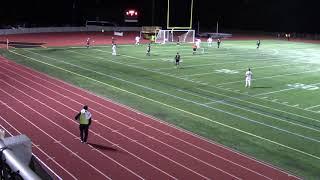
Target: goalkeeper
x=177 y=59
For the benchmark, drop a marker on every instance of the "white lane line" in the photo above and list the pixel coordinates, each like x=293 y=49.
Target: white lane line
x=38 y=159
x=103 y=114
x=197 y=115
x=104 y=175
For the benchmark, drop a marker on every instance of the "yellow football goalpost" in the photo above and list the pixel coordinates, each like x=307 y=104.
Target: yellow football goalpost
x=168 y=18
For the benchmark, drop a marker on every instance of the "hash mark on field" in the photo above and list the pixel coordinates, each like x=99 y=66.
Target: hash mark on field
x=284 y=102
x=297 y=105
x=264 y=97
x=274 y=100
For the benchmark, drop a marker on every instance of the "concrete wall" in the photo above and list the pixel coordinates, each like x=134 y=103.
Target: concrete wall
x=66 y=29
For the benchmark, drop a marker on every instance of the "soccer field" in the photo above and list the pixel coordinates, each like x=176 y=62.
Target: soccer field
x=276 y=120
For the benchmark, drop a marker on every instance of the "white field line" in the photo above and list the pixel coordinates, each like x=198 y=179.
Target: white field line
x=172 y=76
x=218 y=63
x=287 y=89
x=121 y=124
x=136 y=120
x=246 y=109
x=311 y=107
x=239 y=130
x=97 y=134
x=170 y=125
x=212 y=92
x=270 y=77
x=260 y=67
x=54 y=139
x=38 y=159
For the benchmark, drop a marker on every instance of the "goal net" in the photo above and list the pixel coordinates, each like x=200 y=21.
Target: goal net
x=171 y=36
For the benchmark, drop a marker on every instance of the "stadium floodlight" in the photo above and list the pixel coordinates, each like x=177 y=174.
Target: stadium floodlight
x=175 y=35
x=131 y=15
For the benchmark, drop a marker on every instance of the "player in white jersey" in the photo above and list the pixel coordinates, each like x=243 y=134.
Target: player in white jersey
x=248 y=78
x=209 y=41
x=198 y=42
x=137 y=40
x=114 y=49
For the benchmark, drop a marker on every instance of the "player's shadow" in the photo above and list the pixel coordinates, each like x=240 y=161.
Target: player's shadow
x=262 y=87
x=102 y=147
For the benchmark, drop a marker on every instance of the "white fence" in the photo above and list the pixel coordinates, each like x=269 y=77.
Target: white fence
x=66 y=29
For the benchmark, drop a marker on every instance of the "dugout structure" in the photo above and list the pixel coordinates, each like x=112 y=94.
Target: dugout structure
x=175 y=36
x=149 y=32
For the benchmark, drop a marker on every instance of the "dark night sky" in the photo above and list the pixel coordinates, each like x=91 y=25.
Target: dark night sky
x=264 y=15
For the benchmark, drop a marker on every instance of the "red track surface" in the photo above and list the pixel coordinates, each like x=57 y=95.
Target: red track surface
x=123 y=143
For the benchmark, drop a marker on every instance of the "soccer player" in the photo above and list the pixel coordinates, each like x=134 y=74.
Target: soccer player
x=209 y=41
x=114 y=49
x=258 y=44
x=148 y=49
x=218 y=42
x=177 y=59
x=288 y=36
x=88 y=43
x=194 y=49
x=248 y=76
x=137 y=40
x=113 y=41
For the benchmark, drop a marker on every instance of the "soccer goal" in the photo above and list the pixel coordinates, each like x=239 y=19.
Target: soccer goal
x=171 y=36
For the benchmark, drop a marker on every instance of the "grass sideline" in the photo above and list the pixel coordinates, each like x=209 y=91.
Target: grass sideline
x=277 y=120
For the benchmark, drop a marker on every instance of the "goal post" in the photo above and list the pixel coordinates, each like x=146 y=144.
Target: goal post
x=175 y=35
x=169 y=26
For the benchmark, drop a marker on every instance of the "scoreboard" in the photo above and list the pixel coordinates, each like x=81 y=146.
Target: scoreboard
x=131 y=15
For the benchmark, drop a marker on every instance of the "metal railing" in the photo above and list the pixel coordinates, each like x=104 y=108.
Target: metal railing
x=11 y=168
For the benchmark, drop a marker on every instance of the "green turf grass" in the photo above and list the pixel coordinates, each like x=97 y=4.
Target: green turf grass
x=277 y=120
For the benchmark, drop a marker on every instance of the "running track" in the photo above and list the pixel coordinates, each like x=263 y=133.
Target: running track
x=123 y=143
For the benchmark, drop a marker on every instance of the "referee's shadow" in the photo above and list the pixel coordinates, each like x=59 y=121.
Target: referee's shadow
x=102 y=147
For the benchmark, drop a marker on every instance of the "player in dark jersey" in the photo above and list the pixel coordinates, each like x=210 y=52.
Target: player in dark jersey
x=194 y=49
x=148 y=49
x=258 y=44
x=177 y=59
x=218 y=43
